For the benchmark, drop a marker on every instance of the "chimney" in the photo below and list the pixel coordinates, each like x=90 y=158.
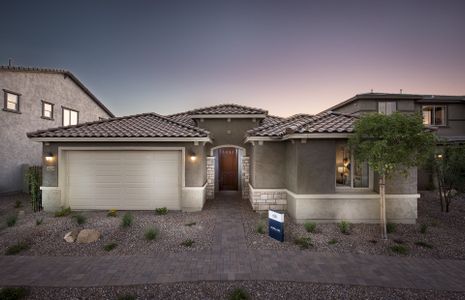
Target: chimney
x=9 y=62
x=401 y=91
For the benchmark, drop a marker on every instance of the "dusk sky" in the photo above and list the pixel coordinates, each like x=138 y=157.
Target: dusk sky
x=285 y=56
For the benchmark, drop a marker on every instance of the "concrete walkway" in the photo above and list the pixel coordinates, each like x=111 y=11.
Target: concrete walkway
x=231 y=260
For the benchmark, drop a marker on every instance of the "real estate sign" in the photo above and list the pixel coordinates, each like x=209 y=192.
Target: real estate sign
x=276 y=225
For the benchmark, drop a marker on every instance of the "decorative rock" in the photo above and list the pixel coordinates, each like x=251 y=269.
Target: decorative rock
x=70 y=237
x=88 y=236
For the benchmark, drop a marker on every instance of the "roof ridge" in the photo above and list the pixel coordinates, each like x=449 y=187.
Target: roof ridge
x=280 y=122
x=180 y=124
x=193 y=111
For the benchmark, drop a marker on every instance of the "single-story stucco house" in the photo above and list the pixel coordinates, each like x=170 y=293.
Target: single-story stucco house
x=299 y=164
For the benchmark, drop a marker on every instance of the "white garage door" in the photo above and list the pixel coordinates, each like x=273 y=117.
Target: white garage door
x=124 y=179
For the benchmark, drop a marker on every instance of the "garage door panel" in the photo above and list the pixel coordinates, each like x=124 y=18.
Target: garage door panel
x=124 y=179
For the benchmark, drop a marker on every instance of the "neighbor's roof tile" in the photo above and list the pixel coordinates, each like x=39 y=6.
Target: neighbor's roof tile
x=226 y=109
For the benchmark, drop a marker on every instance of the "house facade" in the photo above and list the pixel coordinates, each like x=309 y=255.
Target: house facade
x=444 y=114
x=299 y=164
x=36 y=99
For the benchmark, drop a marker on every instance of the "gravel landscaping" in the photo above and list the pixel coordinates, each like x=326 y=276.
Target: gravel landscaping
x=172 y=231
x=254 y=289
x=444 y=236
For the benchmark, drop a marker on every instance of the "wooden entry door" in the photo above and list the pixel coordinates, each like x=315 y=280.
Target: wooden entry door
x=227 y=169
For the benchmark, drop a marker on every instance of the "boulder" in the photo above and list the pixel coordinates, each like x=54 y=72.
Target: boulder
x=88 y=236
x=71 y=236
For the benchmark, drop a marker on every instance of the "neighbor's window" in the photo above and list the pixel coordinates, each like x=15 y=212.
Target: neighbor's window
x=434 y=115
x=70 y=117
x=11 y=101
x=47 y=110
x=350 y=173
x=387 y=107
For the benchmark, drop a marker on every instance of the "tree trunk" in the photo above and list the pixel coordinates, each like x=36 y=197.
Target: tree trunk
x=382 y=206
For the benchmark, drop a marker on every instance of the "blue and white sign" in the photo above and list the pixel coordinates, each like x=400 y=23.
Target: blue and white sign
x=276 y=225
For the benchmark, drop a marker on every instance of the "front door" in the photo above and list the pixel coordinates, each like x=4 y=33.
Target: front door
x=228 y=169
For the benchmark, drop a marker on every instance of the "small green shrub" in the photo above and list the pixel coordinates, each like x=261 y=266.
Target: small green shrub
x=127 y=297
x=127 y=220
x=11 y=221
x=161 y=211
x=39 y=221
x=110 y=246
x=399 y=249
x=187 y=243
x=112 y=213
x=303 y=242
x=80 y=219
x=391 y=227
x=18 y=204
x=63 y=212
x=239 y=294
x=332 y=242
x=423 y=228
x=13 y=293
x=424 y=245
x=261 y=228
x=190 y=224
x=151 y=234
x=344 y=227
x=310 y=226
x=16 y=248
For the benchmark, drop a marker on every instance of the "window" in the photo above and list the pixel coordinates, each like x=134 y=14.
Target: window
x=387 y=107
x=434 y=115
x=70 y=117
x=350 y=173
x=47 y=110
x=11 y=102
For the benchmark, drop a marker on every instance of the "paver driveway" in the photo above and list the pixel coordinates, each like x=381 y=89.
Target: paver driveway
x=230 y=259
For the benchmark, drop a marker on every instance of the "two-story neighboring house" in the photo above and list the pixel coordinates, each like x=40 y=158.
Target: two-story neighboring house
x=36 y=99
x=446 y=114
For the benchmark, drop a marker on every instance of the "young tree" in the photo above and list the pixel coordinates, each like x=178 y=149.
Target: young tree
x=450 y=172
x=391 y=144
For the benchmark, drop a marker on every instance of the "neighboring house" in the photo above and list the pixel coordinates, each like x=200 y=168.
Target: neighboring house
x=36 y=99
x=300 y=164
x=444 y=114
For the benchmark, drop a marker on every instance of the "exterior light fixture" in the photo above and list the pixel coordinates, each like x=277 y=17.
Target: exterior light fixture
x=49 y=157
x=193 y=157
x=439 y=156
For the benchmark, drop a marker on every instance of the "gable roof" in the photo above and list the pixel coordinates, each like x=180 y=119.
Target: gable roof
x=326 y=122
x=394 y=96
x=143 y=126
x=66 y=74
x=227 y=109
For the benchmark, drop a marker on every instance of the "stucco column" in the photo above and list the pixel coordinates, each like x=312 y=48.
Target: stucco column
x=210 y=177
x=245 y=176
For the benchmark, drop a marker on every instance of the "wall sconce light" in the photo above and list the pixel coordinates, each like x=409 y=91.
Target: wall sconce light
x=439 y=156
x=49 y=157
x=192 y=156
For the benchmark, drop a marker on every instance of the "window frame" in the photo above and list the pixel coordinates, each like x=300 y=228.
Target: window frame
x=384 y=101
x=5 y=101
x=43 y=102
x=433 y=116
x=63 y=108
x=340 y=188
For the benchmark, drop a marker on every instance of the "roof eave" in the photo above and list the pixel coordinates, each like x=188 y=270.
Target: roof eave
x=228 y=116
x=121 y=139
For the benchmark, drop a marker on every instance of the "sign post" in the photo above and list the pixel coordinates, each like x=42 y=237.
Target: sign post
x=276 y=225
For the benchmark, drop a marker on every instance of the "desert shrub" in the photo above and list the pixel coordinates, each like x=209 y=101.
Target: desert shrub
x=127 y=220
x=80 y=219
x=63 y=212
x=11 y=220
x=17 y=248
x=112 y=213
x=399 y=249
x=303 y=242
x=161 y=211
x=110 y=246
x=424 y=244
x=190 y=224
x=344 y=227
x=423 y=228
x=13 y=293
x=151 y=234
x=239 y=294
x=39 y=221
x=310 y=226
x=187 y=243
x=332 y=242
x=18 y=204
x=391 y=227
x=261 y=228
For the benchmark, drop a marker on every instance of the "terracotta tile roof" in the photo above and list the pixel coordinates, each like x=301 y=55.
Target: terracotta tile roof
x=326 y=122
x=148 y=125
x=269 y=120
x=182 y=118
x=227 y=109
x=59 y=71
